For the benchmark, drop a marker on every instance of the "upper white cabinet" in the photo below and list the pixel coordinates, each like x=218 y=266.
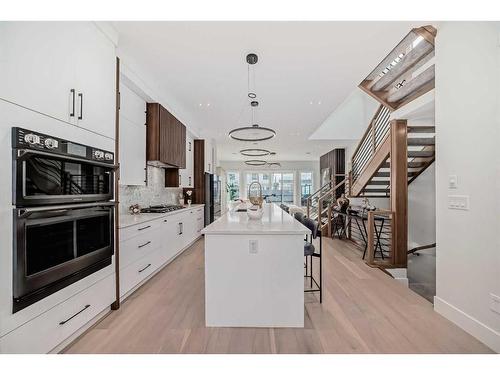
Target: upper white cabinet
x=210 y=156
x=132 y=138
x=65 y=70
x=96 y=80
x=186 y=175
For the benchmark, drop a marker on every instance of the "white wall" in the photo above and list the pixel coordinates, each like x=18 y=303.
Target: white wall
x=422 y=209
x=286 y=166
x=467 y=117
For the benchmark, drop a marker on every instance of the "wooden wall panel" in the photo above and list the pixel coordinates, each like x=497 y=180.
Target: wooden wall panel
x=199 y=171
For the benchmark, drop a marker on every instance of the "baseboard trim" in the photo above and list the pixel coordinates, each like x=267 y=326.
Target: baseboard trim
x=469 y=324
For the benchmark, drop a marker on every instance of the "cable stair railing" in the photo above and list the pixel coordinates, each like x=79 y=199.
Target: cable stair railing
x=320 y=205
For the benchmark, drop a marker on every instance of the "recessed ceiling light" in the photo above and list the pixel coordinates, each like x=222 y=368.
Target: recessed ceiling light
x=208 y=104
x=200 y=104
x=319 y=102
x=311 y=102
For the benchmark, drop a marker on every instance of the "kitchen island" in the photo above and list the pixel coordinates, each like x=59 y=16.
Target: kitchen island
x=254 y=270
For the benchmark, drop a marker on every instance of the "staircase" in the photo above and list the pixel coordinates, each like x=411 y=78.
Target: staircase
x=371 y=162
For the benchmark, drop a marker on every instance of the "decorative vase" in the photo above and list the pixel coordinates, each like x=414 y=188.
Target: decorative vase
x=189 y=202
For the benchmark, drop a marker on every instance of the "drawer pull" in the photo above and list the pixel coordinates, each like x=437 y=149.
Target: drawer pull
x=149 y=265
x=72 y=316
x=144 y=244
x=146 y=227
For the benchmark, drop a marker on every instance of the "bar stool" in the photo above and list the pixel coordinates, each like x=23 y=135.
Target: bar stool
x=299 y=216
x=310 y=251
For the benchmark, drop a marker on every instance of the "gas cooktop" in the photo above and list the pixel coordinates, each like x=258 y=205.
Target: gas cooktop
x=162 y=208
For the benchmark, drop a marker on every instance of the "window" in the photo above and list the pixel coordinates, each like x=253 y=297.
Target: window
x=233 y=185
x=306 y=180
x=282 y=188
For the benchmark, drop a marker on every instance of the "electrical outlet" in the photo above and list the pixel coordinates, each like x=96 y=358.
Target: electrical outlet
x=458 y=202
x=253 y=247
x=495 y=303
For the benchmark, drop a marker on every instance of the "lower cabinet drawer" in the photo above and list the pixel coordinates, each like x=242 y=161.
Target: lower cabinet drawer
x=136 y=272
x=46 y=331
x=139 y=229
x=139 y=246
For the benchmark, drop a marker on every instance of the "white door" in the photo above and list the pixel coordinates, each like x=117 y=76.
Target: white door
x=132 y=138
x=37 y=66
x=96 y=80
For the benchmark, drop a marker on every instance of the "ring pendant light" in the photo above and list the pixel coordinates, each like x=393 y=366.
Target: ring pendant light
x=255 y=163
x=255 y=152
x=254 y=133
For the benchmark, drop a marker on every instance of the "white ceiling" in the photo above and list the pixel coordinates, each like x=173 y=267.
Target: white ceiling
x=195 y=63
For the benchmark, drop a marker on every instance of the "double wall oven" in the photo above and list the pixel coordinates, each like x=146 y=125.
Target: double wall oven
x=63 y=214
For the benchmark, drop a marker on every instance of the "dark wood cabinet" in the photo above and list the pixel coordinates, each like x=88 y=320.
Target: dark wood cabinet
x=165 y=137
x=199 y=171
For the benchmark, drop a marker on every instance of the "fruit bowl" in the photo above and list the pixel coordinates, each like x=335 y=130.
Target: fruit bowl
x=255 y=213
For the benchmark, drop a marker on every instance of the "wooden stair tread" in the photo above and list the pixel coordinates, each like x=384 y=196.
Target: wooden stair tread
x=421 y=129
x=421 y=141
x=378 y=182
x=368 y=190
x=411 y=164
x=420 y=154
x=388 y=174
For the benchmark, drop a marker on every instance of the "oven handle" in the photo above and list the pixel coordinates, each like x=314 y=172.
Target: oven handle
x=21 y=154
x=25 y=212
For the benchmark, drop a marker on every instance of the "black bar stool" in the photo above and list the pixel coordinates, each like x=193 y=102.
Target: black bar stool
x=310 y=251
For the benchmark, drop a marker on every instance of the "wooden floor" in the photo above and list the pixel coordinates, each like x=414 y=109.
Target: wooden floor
x=363 y=311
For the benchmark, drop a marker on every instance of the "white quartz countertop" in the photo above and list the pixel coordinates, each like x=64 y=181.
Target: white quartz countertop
x=274 y=221
x=127 y=220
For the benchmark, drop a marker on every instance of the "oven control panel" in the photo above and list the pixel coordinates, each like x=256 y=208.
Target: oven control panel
x=27 y=139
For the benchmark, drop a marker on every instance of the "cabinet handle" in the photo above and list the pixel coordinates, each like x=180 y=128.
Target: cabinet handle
x=189 y=181
x=209 y=167
x=72 y=316
x=180 y=183
x=142 y=269
x=80 y=116
x=146 y=227
x=145 y=244
x=180 y=229
x=72 y=114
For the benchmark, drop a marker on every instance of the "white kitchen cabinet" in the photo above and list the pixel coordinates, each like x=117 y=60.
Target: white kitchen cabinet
x=48 y=330
x=210 y=156
x=65 y=70
x=170 y=237
x=187 y=175
x=95 y=80
x=37 y=66
x=132 y=138
x=146 y=247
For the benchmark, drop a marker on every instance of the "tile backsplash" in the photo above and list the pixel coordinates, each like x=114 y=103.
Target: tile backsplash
x=154 y=193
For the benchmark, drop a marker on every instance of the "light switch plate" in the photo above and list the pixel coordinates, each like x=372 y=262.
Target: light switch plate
x=458 y=202
x=495 y=303
x=253 y=247
x=453 y=181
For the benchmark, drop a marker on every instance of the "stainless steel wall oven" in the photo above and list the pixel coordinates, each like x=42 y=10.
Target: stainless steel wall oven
x=57 y=243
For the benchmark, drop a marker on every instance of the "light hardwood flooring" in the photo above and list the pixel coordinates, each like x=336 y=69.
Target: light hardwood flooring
x=363 y=311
